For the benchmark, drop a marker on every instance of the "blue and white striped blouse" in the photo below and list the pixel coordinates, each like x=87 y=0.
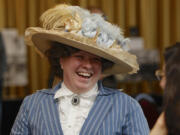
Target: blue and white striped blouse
x=113 y=113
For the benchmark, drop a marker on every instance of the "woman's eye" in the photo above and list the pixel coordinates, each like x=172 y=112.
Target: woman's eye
x=97 y=60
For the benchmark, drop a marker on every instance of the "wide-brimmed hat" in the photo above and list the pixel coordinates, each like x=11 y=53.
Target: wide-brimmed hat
x=77 y=27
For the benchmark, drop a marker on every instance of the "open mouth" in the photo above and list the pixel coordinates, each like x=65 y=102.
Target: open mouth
x=84 y=74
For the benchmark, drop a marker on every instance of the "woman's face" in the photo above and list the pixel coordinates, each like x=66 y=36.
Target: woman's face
x=81 y=71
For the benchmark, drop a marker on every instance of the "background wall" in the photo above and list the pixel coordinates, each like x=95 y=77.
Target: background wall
x=158 y=22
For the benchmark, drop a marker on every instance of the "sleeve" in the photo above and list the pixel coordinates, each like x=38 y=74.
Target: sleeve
x=20 y=126
x=136 y=123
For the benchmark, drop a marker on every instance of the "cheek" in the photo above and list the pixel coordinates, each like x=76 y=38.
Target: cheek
x=98 y=68
x=69 y=64
x=75 y=64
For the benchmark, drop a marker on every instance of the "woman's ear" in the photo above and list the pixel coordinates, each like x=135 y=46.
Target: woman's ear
x=61 y=62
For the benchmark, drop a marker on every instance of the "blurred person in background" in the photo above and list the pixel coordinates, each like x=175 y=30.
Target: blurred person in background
x=80 y=47
x=169 y=51
x=171 y=67
x=2 y=70
x=168 y=122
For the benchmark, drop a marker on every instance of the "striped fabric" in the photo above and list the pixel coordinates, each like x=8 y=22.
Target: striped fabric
x=113 y=113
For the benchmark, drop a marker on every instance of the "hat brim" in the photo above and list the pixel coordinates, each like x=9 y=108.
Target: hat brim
x=123 y=61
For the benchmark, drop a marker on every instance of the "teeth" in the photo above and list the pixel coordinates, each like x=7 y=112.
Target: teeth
x=84 y=74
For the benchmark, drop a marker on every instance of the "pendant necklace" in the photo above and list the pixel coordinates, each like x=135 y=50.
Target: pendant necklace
x=75 y=100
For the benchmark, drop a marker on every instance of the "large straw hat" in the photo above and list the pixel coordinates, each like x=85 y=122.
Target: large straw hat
x=77 y=27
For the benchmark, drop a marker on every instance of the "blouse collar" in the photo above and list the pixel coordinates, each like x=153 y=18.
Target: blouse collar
x=64 y=91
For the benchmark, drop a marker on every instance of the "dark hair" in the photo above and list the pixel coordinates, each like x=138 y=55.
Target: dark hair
x=54 y=54
x=172 y=68
x=172 y=115
x=169 y=51
x=58 y=51
x=172 y=93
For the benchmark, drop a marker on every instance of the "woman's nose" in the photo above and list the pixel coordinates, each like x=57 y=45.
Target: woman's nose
x=87 y=63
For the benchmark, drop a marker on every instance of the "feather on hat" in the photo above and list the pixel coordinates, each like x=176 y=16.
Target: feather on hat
x=77 y=27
